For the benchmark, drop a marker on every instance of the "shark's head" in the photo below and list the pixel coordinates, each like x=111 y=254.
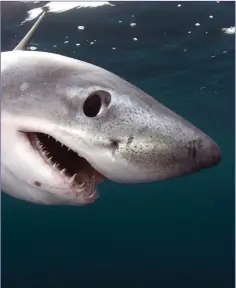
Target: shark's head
x=63 y=117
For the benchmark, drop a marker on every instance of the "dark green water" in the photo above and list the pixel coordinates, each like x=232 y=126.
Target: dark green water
x=177 y=233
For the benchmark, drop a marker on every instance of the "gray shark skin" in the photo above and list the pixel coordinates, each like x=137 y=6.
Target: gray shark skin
x=108 y=129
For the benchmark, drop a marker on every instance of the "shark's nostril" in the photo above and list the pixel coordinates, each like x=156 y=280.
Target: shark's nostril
x=194 y=153
x=96 y=103
x=130 y=140
x=192 y=150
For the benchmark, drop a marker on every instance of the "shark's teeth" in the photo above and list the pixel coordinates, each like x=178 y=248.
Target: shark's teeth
x=55 y=165
x=45 y=153
x=85 y=188
x=94 y=194
x=63 y=171
x=72 y=179
x=81 y=185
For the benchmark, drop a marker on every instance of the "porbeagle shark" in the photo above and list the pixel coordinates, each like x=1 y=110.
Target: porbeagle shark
x=67 y=125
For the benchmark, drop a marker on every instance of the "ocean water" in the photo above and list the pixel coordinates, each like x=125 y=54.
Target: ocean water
x=176 y=233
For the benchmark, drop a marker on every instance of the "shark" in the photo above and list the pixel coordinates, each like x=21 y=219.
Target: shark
x=67 y=126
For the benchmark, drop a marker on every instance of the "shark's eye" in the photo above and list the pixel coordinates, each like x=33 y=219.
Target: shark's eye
x=96 y=103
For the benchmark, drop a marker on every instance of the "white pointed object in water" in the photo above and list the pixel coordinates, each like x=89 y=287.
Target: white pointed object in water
x=230 y=30
x=59 y=7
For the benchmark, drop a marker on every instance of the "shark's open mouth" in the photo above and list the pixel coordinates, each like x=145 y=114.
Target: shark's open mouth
x=75 y=170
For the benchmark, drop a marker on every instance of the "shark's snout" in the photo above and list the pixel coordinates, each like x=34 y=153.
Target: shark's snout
x=182 y=149
x=159 y=145
x=209 y=155
x=191 y=154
